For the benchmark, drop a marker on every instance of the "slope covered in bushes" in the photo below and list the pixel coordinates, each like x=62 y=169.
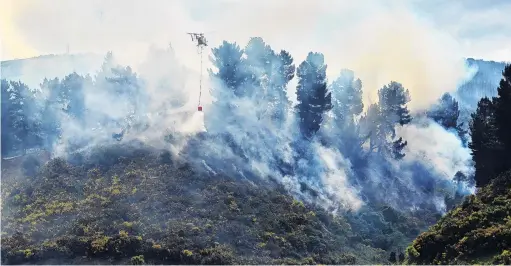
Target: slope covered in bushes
x=135 y=204
x=477 y=231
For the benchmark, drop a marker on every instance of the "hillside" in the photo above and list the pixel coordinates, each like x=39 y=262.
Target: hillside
x=476 y=232
x=32 y=71
x=483 y=83
x=268 y=182
x=132 y=204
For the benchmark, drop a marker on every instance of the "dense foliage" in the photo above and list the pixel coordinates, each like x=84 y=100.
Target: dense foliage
x=478 y=231
x=134 y=204
x=238 y=198
x=490 y=131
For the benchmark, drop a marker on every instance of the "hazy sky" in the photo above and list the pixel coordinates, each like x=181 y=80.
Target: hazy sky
x=30 y=27
x=420 y=43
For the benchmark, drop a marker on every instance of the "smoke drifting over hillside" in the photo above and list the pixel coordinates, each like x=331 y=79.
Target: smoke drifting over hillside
x=380 y=42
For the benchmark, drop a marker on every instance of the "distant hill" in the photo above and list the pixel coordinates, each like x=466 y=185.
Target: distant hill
x=32 y=71
x=484 y=82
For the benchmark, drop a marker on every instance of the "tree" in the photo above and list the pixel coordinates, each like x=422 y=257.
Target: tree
x=72 y=95
x=347 y=106
x=285 y=73
x=371 y=127
x=502 y=105
x=313 y=97
x=106 y=67
x=51 y=111
x=9 y=140
x=259 y=67
x=392 y=257
x=393 y=111
x=227 y=85
x=446 y=113
x=227 y=58
x=392 y=101
x=20 y=118
x=490 y=132
x=487 y=150
x=266 y=77
x=346 y=97
x=382 y=118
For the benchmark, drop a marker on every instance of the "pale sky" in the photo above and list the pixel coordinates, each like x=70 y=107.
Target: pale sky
x=33 y=27
x=421 y=43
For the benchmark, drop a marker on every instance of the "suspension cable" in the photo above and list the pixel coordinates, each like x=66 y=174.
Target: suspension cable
x=200 y=80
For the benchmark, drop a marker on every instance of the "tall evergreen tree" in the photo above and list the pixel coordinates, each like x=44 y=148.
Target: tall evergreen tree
x=346 y=107
x=371 y=127
x=260 y=67
x=267 y=75
x=20 y=120
x=446 y=113
x=390 y=112
x=51 y=111
x=284 y=74
x=392 y=101
x=313 y=97
x=347 y=96
x=106 y=67
x=72 y=95
x=487 y=149
x=227 y=84
x=228 y=59
x=502 y=104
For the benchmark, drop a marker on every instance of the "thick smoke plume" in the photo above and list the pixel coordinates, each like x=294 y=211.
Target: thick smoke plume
x=234 y=134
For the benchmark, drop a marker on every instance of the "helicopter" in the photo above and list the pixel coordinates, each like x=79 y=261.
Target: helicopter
x=199 y=37
x=201 y=43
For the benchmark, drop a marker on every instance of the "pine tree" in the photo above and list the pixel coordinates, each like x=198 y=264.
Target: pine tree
x=20 y=120
x=51 y=112
x=392 y=101
x=313 y=97
x=260 y=68
x=227 y=85
x=72 y=95
x=490 y=132
x=371 y=127
x=284 y=74
x=347 y=96
x=446 y=113
x=382 y=118
x=227 y=58
x=487 y=150
x=502 y=104
x=346 y=107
